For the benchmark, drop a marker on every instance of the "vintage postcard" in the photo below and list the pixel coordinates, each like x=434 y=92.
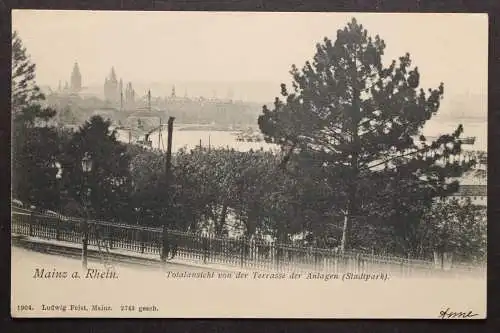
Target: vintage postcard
x=249 y=165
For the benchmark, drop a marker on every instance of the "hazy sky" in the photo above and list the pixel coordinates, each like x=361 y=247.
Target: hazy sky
x=201 y=46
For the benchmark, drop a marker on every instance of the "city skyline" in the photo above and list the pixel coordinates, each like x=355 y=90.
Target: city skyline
x=263 y=46
x=126 y=87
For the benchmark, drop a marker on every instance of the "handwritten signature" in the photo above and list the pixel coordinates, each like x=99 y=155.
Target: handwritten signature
x=448 y=314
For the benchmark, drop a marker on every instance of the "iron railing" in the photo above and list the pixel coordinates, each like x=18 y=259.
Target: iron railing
x=208 y=249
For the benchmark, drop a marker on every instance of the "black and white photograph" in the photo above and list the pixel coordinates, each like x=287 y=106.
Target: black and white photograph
x=249 y=164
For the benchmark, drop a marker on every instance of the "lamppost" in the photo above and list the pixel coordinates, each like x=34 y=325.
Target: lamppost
x=86 y=167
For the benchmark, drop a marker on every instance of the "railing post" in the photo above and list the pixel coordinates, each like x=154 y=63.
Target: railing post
x=253 y=251
x=30 y=225
x=205 y=249
x=110 y=237
x=409 y=270
x=58 y=226
x=276 y=255
x=242 y=242
x=85 y=241
x=164 y=244
x=314 y=253
x=13 y=223
x=143 y=240
x=335 y=257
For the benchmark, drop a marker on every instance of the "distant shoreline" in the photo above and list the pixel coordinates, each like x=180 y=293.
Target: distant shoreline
x=214 y=128
x=462 y=119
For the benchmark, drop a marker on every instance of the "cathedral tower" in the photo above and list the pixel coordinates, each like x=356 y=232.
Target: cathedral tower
x=111 y=88
x=76 y=79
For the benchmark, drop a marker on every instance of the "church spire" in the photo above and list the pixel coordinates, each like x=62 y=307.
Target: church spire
x=76 y=79
x=112 y=75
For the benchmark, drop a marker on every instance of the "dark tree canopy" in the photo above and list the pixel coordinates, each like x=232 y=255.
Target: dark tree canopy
x=34 y=167
x=109 y=177
x=360 y=123
x=455 y=227
x=35 y=146
x=24 y=91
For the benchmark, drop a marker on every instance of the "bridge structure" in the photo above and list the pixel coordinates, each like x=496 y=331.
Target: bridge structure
x=144 y=113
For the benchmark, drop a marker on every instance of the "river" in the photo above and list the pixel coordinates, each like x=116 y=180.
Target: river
x=189 y=139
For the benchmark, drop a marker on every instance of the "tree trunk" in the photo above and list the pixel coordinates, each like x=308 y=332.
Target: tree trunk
x=344 y=232
x=348 y=217
x=351 y=199
x=351 y=196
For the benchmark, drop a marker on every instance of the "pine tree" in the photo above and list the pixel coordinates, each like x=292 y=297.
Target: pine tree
x=24 y=89
x=35 y=148
x=358 y=123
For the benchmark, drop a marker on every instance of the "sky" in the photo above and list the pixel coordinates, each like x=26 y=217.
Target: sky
x=238 y=48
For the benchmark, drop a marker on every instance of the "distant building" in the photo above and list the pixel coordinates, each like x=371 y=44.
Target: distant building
x=120 y=91
x=230 y=94
x=173 y=94
x=76 y=79
x=129 y=97
x=119 y=95
x=473 y=187
x=105 y=113
x=111 y=88
x=477 y=193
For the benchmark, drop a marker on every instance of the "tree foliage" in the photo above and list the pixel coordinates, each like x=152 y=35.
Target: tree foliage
x=34 y=167
x=360 y=123
x=457 y=227
x=24 y=90
x=109 y=178
x=35 y=147
x=150 y=195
